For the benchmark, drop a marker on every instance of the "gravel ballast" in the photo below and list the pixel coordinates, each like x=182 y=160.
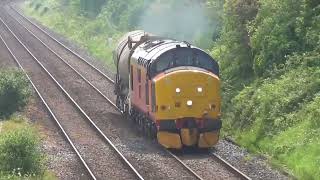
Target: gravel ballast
x=99 y=156
x=61 y=160
x=146 y=155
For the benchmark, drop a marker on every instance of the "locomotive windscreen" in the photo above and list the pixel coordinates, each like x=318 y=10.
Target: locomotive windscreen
x=184 y=57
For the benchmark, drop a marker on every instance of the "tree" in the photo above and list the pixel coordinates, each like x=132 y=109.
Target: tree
x=234 y=50
x=91 y=7
x=283 y=27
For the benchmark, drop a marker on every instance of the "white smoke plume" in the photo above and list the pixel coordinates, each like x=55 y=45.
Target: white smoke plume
x=179 y=19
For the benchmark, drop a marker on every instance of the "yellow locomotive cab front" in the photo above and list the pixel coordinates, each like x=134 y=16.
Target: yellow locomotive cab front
x=187 y=108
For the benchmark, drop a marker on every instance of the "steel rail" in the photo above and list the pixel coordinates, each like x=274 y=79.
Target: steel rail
x=183 y=164
x=61 y=44
x=171 y=154
x=65 y=62
x=230 y=166
x=78 y=107
x=50 y=111
x=112 y=81
x=175 y=157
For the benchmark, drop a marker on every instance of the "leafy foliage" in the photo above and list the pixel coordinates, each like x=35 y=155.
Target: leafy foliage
x=91 y=7
x=14 y=92
x=125 y=14
x=280 y=116
x=282 y=28
x=233 y=50
x=20 y=153
x=268 y=52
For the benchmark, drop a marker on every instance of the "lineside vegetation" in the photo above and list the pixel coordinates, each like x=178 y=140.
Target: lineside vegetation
x=268 y=52
x=20 y=154
x=14 y=92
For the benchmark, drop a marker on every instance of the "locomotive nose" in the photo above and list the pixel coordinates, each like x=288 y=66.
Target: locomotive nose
x=185 y=93
x=189 y=104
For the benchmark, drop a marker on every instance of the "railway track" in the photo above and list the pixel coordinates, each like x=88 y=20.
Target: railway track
x=230 y=166
x=74 y=70
x=51 y=112
x=96 y=85
x=100 y=138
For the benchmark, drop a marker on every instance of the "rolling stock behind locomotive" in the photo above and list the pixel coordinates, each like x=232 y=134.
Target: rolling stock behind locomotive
x=170 y=88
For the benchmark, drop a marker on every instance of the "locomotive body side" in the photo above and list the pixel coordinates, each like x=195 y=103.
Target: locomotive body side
x=172 y=91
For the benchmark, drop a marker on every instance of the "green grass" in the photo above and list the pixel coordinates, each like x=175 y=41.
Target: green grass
x=16 y=176
x=15 y=122
x=20 y=155
x=277 y=116
x=14 y=92
x=90 y=34
x=280 y=118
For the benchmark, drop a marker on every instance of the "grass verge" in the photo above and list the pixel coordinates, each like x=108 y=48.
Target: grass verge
x=280 y=117
x=20 y=154
x=94 y=35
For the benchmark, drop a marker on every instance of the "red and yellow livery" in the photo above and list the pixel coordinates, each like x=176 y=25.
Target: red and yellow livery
x=170 y=88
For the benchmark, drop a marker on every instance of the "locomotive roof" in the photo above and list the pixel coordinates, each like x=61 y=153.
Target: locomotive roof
x=151 y=50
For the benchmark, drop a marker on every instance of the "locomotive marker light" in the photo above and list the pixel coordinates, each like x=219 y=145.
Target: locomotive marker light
x=189 y=103
x=199 y=89
x=178 y=90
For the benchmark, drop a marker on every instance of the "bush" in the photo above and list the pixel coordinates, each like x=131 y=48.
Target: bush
x=280 y=116
x=20 y=153
x=14 y=92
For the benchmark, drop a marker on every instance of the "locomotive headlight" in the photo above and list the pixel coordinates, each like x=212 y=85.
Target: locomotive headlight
x=189 y=103
x=178 y=90
x=199 y=89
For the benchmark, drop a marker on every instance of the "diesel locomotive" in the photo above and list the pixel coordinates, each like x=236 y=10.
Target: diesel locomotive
x=169 y=88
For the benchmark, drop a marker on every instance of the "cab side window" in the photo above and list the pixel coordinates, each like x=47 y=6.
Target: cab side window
x=139 y=80
x=139 y=75
x=147 y=92
x=131 y=78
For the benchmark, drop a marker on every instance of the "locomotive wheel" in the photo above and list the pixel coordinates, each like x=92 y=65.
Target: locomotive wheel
x=133 y=116
x=140 y=123
x=125 y=109
x=118 y=102
x=136 y=118
x=143 y=125
x=147 y=129
x=153 y=129
x=137 y=121
x=150 y=131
